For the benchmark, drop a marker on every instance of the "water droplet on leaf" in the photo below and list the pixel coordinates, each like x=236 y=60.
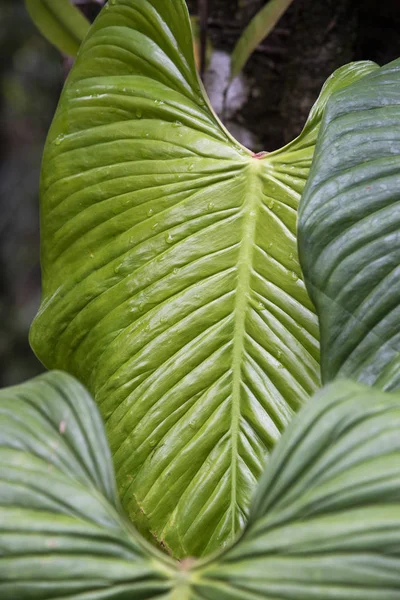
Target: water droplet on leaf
x=150 y=212
x=139 y=113
x=294 y=276
x=169 y=239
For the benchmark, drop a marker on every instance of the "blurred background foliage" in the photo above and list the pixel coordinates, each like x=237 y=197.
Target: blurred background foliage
x=265 y=107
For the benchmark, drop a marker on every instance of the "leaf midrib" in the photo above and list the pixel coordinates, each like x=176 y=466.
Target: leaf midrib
x=250 y=207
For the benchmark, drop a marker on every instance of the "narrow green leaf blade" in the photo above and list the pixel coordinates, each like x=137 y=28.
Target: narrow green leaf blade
x=61 y=532
x=171 y=281
x=258 y=29
x=349 y=231
x=61 y=23
x=325 y=522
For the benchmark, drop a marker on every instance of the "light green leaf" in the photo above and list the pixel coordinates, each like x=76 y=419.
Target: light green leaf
x=325 y=522
x=258 y=29
x=171 y=281
x=61 y=23
x=349 y=231
x=61 y=533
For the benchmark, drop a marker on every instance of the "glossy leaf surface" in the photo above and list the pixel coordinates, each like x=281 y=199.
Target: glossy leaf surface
x=171 y=281
x=325 y=522
x=61 y=533
x=60 y=22
x=257 y=30
x=349 y=231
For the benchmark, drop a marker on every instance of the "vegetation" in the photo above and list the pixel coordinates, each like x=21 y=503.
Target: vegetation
x=186 y=283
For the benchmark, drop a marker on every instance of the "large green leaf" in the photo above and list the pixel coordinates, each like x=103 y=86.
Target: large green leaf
x=325 y=522
x=171 y=281
x=349 y=231
x=61 y=532
x=60 y=22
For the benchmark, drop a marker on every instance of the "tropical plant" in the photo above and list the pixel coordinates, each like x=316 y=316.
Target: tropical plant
x=172 y=289
x=65 y=27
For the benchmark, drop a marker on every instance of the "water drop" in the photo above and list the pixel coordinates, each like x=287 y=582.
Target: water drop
x=150 y=212
x=155 y=225
x=294 y=276
x=139 y=113
x=191 y=167
x=161 y=102
x=291 y=256
x=192 y=425
x=177 y=124
x=279 y=354
x=210 y=205
x=169 y=239
x=270 y=204
x=253 y=213
x=147 y=135
x=270 y=245
x=59 y=139
x=153 y=444
x=117 y=269
x=261 y=306
x=176 y=271
x=91 y=255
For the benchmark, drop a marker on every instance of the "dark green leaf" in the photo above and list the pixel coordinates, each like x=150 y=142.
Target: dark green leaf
x=171 y=281
x=325 y=522
x=349 y=231
x=61 y=532
x=60 y=22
